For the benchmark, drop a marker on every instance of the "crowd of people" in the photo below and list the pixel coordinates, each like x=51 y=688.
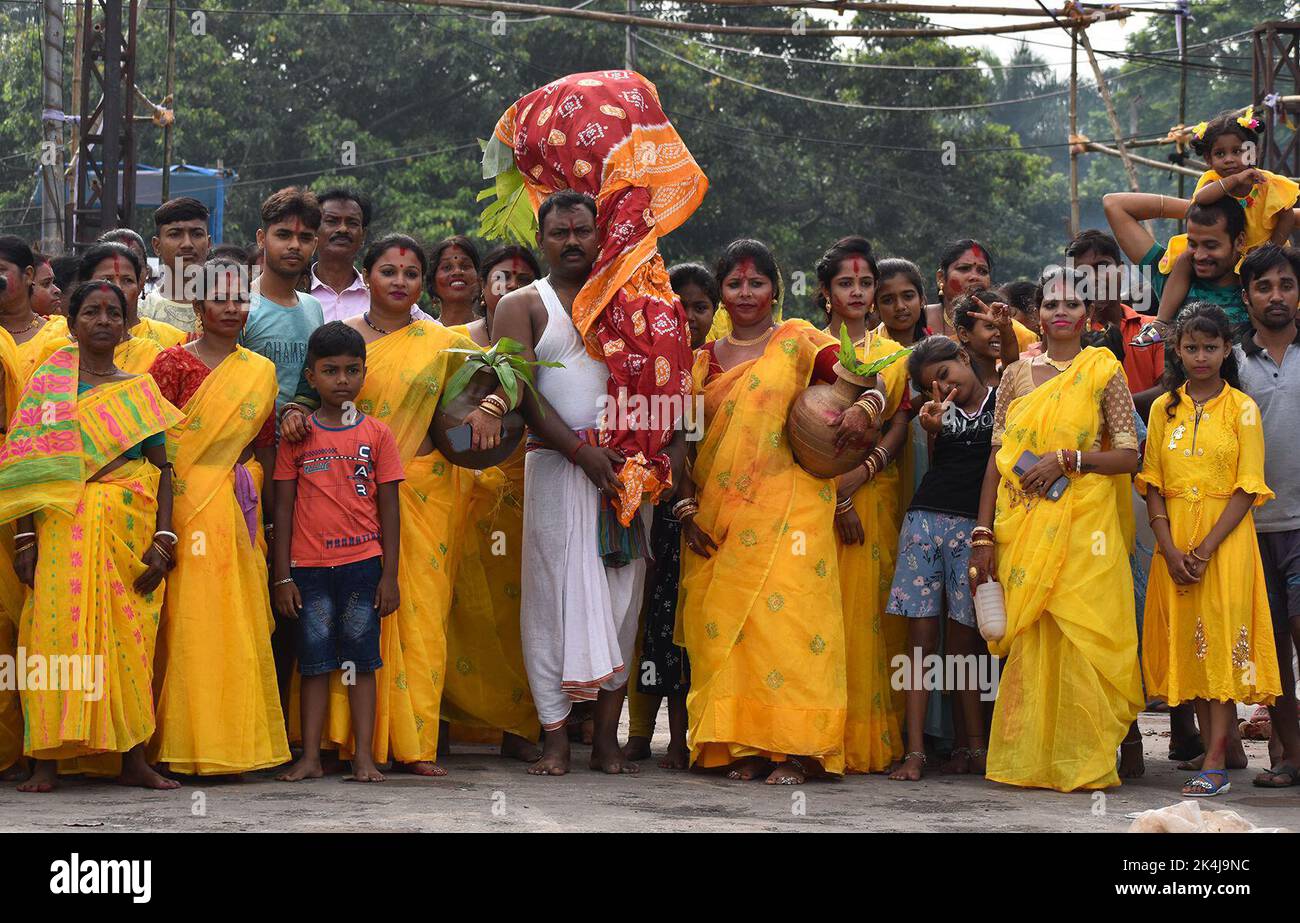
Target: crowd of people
x=220 y=486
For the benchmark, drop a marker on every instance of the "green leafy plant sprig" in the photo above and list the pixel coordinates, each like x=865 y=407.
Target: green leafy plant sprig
x=849 y=358
x=506 y=363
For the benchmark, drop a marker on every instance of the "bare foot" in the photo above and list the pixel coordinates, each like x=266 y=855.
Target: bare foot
x=305 y=768
x=366 y=771
x=138 y=773
x=678 y=757
x=748 y=769
x=418 y=768
x=637 y=748
x=612 y=761
x=911 y=770
x=18 y=772
x=1132 y=764
x=43 y=779
x=786 y=773
x=958 y=763
x=1236 y=759
x=517 y=748
x=555 y=755
x=979 y=757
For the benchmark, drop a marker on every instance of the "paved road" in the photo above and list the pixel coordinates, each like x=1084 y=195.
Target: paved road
x=485 y=793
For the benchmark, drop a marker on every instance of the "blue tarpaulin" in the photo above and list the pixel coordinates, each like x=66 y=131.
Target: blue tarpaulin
x=206 y=184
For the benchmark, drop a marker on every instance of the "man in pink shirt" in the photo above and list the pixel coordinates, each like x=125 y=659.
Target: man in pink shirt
x=335 y=281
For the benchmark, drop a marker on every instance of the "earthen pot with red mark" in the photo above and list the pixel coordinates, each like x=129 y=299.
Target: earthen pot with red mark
x=811 y=429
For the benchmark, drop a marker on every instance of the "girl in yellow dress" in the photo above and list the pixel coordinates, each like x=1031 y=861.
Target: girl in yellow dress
x=1071 y=686
x=867 y=524
x=92 y=491
x=759 y=598
x=1207 y=636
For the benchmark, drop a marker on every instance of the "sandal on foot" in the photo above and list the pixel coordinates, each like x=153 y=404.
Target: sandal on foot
x=1286 y=771
x=1202 y=787
x=1151 y=334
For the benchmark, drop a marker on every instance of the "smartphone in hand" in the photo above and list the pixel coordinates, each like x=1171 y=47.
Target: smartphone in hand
x=1026 y=461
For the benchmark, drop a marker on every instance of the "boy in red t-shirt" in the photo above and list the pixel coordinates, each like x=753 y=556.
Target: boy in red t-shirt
x=335 y=568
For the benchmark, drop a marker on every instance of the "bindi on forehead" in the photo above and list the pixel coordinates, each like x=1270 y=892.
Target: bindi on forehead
x=977 y=255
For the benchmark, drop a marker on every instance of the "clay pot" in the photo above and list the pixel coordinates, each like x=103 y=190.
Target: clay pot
x=812 y=435
x=451 y=414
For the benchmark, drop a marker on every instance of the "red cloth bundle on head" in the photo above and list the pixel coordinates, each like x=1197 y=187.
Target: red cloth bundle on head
x=604 y=133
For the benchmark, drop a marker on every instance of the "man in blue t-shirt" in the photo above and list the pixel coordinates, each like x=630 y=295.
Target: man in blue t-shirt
x=281 y=318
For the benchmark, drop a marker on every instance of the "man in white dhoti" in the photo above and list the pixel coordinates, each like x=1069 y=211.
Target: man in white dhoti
x=578 y=616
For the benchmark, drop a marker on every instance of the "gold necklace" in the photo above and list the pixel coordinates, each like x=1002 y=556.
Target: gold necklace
x=731 y=338
x=106 y=373
x=1059 y=366
x=36 y=321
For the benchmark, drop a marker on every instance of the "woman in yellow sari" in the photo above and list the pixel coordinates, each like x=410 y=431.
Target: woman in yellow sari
x=407 y=365
x=867 y=520
x=218 y=703
x=85 y=470
x=759 y=599
x=12 y=764
x=1071 y=685
x=31 y=333
x=487 y=691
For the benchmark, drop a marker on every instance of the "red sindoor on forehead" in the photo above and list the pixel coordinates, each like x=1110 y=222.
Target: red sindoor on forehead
x=401 y=251
x=745 y=266
x=856 y=266
x=979 y=254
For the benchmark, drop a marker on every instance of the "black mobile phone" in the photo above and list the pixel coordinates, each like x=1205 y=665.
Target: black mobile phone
x=1026 y=461
x=460 y=437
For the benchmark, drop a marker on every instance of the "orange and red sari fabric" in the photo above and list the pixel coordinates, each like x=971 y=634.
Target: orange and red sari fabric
x=604 y=133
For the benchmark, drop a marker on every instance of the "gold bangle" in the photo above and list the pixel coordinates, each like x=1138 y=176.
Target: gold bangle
x=1152 y=521
x=1193 y=553
x=982 y=543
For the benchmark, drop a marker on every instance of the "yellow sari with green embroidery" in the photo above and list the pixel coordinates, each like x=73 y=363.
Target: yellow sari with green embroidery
x=164 y=334
x=405 y=373
x=84 y=611
x=1070 y=687
x=218 y=702
x=761 y=617
x=11 y=591
x=872 y=739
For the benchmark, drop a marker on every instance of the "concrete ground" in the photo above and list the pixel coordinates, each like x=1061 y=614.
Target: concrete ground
x=486 y=793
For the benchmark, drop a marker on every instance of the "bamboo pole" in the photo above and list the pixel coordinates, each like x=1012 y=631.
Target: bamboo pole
x=534 y=9
x=924 y=8
x=169 y=100
x=1074 y=131
x=1144 y=161
x=1110 y=110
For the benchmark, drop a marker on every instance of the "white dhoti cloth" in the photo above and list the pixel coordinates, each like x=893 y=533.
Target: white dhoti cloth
x=578 y=618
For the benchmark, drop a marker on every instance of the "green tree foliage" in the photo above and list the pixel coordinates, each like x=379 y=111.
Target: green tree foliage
x=287 y=92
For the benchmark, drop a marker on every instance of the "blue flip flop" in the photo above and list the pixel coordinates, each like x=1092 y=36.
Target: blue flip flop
x=1203 y=787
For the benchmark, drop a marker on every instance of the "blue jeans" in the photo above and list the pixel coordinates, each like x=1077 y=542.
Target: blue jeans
x=339 y=623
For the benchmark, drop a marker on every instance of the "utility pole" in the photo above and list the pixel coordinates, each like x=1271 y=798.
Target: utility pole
x=52 y=124
x=629 y=51
x=1180 y=26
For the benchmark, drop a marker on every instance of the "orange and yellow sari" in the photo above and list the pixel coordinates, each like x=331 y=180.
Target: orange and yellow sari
x=872 y=738
x=762 y=617
x=1070 y=687
x=218 y=703
x=405 y=374
x=84 y=617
